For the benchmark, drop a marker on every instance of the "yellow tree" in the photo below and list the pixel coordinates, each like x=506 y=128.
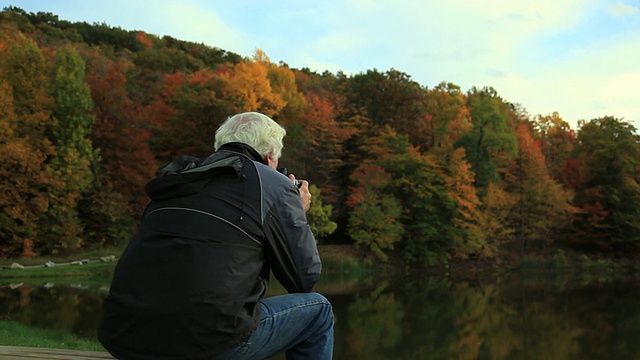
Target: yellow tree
x=557 y=140
x=249 y=85
x=543 y=204
x=283 y=83
x=497 y=206
x=448 y=117
x=24 y=68
x=469 y=239
x=25 y=121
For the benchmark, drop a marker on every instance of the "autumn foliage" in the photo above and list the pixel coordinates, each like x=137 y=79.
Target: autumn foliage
x=88 y=113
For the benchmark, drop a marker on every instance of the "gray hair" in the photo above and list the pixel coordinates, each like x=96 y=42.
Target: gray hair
x=254 y=129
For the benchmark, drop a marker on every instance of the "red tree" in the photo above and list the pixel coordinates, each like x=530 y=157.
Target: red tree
x=120 y=133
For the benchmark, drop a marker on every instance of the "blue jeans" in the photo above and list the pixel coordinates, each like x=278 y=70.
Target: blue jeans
x=301 y=325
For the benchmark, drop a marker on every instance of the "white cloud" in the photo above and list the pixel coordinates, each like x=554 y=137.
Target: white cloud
x=447 y=37
x=188 y=21
x=597 y=80
x=622 y=9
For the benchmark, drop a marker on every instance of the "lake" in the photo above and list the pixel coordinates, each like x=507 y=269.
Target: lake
x=417 y=316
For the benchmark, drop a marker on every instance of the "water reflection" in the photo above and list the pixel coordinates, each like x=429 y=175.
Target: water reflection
x=416 y=317
x=74 y=307
x=436 y=319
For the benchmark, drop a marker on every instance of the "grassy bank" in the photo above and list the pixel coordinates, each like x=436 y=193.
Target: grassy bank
x=338 y=260
x=344 y=262
x=15 y=334
x=89 y=273
x=68 y=267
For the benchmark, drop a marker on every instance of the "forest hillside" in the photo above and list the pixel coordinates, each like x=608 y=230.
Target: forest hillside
x=89 y=112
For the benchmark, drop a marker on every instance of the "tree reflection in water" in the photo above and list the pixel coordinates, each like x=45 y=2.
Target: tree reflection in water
x=416 y=317
x=77 y=308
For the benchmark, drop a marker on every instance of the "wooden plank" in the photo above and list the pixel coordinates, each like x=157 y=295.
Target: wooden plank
x=22 y=353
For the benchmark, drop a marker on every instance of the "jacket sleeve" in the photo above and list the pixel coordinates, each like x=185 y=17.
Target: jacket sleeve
x=291 y=251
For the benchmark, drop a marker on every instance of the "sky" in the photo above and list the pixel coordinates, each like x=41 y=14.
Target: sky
x=580 y=58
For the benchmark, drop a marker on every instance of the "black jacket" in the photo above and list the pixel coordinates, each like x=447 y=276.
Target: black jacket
x=187 y=285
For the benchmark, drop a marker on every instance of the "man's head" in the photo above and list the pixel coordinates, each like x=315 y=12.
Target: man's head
x=256 y=130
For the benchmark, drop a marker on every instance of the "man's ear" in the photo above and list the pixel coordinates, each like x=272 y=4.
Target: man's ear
x=270 y=161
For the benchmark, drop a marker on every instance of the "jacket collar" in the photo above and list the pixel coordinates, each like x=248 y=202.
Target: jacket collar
x=243 y=149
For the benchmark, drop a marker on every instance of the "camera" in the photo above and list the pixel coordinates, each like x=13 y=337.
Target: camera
x=284 y=172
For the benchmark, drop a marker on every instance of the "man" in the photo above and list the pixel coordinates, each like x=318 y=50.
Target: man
x=190 y=283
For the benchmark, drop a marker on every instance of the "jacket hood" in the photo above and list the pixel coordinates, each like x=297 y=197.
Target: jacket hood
x=188 y=175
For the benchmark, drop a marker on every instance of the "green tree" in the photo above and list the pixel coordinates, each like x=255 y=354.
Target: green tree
x=490 y=143
x=74 y=158
x=319 y=215
x=193 y=106
x=152 y=64
x=557 y=140
x=389 y=99
x=104 y=214
x=418 y=185
x=608 y=151
x=374 y=220
x=370 y=103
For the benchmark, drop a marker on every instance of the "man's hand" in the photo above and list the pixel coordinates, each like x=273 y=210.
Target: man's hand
x=305 y=195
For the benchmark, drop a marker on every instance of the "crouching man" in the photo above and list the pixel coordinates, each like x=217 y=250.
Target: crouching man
x=191 y=282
